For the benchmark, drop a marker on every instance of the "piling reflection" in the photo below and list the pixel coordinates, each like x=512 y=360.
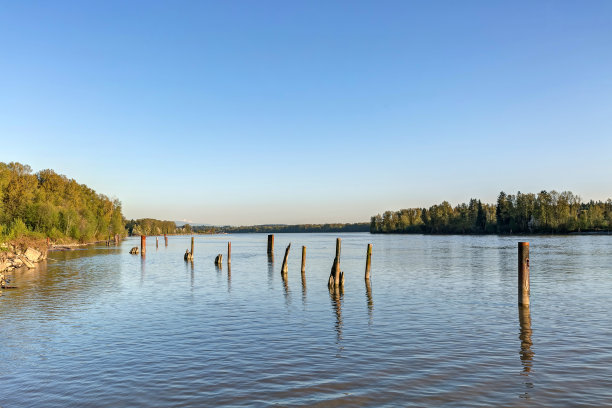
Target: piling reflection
x=191 y=270
x=369 y=300
x=142 y=269
x=229 y=278
x=286 y=291
x=303 y=289
x=270 y=270
x=336 y=295
x=525 y=336
x=526 y=343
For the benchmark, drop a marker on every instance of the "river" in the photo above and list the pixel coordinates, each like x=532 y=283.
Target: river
x=438 y=324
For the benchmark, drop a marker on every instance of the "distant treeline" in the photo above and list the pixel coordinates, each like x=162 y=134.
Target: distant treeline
x=355 y=227
x=47 y=204
x=150 y=226
x=545 y=212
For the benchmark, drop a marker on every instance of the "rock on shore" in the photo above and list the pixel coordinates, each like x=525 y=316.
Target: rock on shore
x=14 y=258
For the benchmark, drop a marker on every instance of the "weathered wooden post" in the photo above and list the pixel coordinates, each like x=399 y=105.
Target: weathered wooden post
x=285 y=268
x=336 y=277
x=336 y=267
x=219 y=260
x=166 y=239
x=143 y=244
x=189 y=255
x=303 y=259
x=338 y=242
x=523 y=273
x=368 y=261
x=156 y=242
x=271 y=244
x=229 y=253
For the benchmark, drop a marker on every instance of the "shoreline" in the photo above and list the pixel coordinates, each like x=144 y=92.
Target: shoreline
x=71 y=247
x=14 y=258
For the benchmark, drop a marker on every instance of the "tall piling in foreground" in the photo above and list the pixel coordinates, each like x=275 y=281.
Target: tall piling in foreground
x=303 y=259
x=368 y=261
x=271 y=244
x=229 y=253
x=285 y=267
x=166 y=239
x=192 y=246
x=523 y=273
x=143 y=244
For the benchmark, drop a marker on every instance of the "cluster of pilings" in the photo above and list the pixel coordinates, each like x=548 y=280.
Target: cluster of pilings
x=336 y=276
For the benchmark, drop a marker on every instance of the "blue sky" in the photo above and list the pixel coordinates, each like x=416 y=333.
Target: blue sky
x=245 y=112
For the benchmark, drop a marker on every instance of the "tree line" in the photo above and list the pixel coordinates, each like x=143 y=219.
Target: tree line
x=545 y=212
x=150 y=226
x=270 y=229
x=47 y=204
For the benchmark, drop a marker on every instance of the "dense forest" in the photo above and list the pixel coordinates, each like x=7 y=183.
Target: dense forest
x=545 y=212
x=150 y=226
x=47 y=204
x=356 y=227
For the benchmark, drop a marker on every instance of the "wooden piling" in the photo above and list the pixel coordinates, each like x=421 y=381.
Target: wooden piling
x=338 y=242
x=336 y=267
x=143 y=244
x=156 y=242
x=192 y=246
x=285 y=268
x=336 y=277
x=523 y=273
x=219 y=260
x=368 y=261
x=229 y=253
x=271 y=244
x=166 y=239
x=303 y=259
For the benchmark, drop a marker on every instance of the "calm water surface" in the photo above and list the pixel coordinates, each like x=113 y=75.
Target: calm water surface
x=439 y=325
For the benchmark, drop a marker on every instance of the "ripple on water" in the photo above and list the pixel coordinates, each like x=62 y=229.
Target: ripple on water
x=437 y=325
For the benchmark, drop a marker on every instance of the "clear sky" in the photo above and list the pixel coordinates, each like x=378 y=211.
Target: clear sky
x=249 y=112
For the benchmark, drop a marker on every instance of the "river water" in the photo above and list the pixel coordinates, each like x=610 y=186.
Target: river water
x=438 y=325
